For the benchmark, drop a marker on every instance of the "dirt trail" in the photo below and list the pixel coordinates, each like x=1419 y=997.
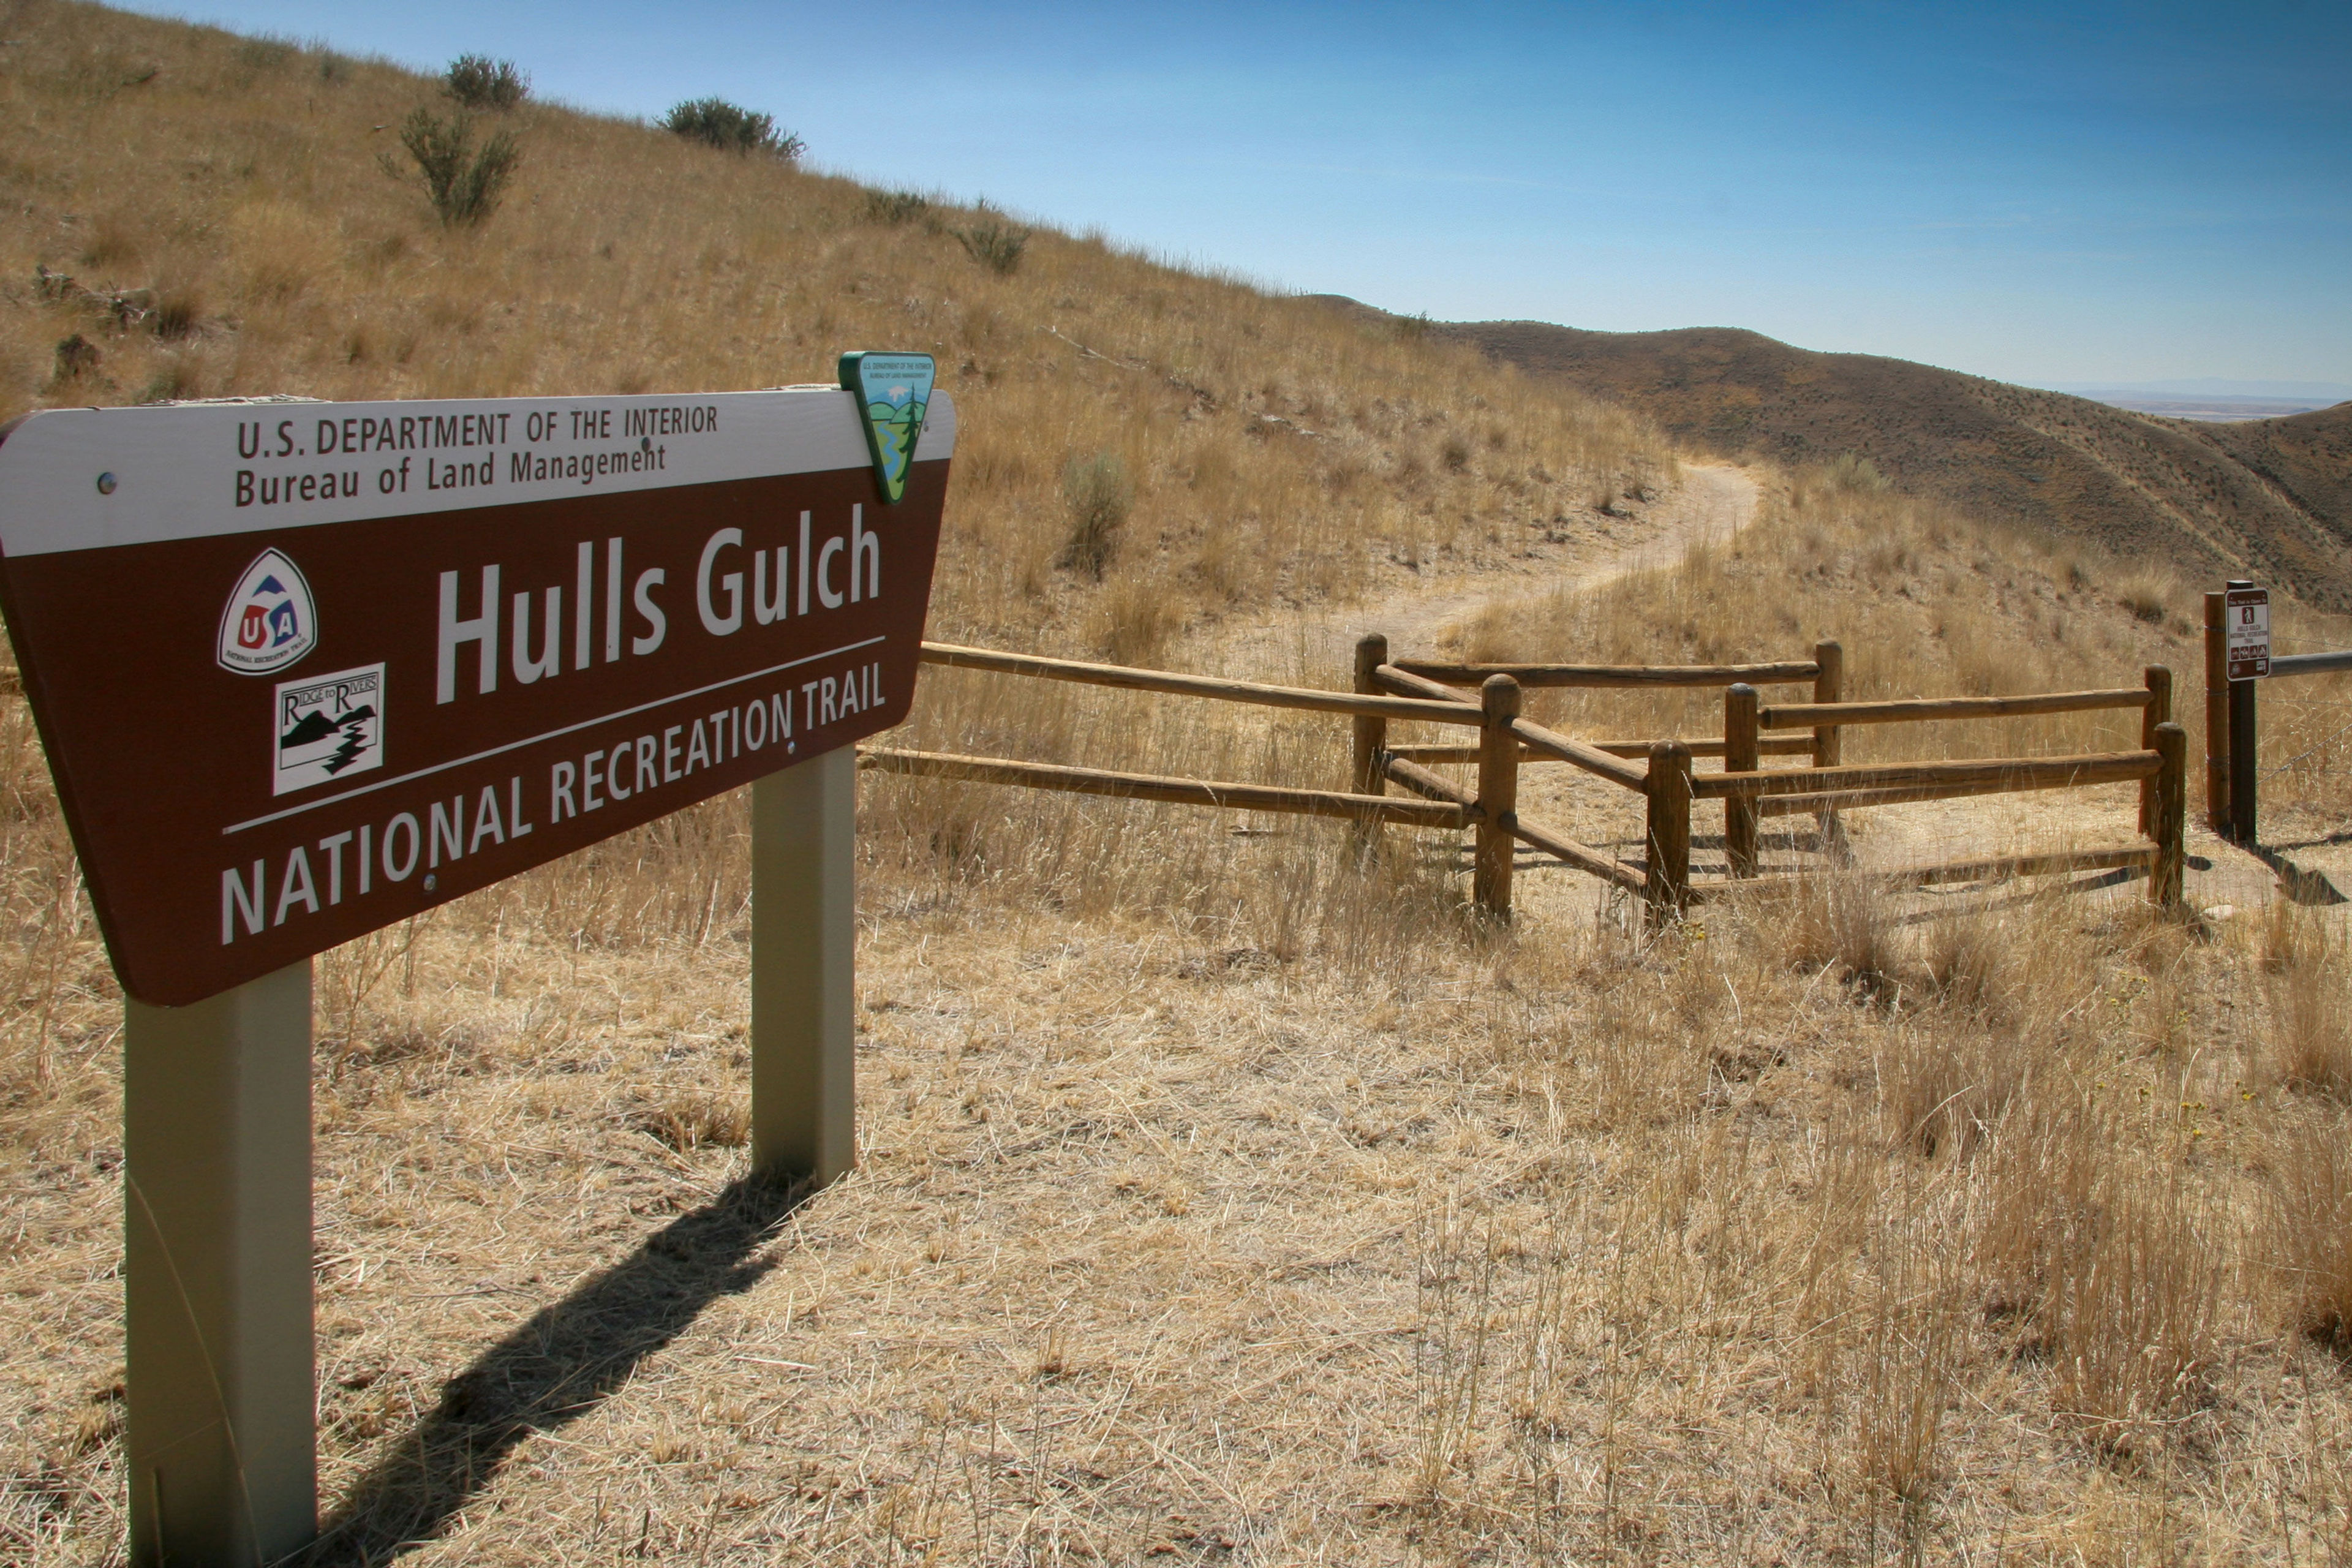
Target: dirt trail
x=1315 y=645
x=1714 y=502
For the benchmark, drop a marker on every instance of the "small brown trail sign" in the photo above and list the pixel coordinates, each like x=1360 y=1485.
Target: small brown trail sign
x=2248 y=617
x=305 y=669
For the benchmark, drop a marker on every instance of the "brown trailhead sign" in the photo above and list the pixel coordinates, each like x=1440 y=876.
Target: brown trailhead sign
x=303 y=670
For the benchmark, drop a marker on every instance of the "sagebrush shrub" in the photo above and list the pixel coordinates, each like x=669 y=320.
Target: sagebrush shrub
x=477 y=82
x=897 y=207
x=731 y=128
x=992 y=242
x=463 y=183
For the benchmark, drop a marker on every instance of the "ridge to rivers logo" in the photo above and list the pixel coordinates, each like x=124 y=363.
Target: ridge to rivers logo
x=327 y=728
x=270 y=621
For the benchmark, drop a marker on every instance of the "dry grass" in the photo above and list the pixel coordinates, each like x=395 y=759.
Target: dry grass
x=1224 y=1195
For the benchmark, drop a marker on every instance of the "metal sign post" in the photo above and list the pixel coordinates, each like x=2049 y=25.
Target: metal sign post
x=2246 y=615
x=217 y=1139
x=804 y=998
x=305 y=669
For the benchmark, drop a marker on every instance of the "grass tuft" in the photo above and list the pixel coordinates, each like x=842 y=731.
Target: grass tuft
x=465 y=184
x=994 y=242
x=1099 y=497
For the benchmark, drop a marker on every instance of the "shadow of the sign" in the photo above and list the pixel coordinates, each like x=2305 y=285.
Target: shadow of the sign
x=552 y=1370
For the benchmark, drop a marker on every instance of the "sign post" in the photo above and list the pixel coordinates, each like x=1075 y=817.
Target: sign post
x=804 y=1001
x=216 y=1143
x=304 y=670
x=2246 y=614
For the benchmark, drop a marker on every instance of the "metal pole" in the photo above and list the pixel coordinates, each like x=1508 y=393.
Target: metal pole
x=804 y=992
x=2241 y=761
x=2241 y=754
x=2217 y=716
x=217 y=1145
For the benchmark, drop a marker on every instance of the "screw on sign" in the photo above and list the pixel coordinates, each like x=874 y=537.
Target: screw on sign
x=305 y=669
x=2247 y=619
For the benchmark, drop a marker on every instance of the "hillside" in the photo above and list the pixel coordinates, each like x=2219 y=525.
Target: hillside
x=204 y=216
x=2271 y=499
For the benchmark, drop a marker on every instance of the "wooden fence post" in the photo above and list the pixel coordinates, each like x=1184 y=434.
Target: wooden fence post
x=1828 y=746
x=2157 y=712
x=1741 y=704
x=1667 y=791
x=1366 y=774
x=2171 y=825
x=1498 y=796
x=2217 y=714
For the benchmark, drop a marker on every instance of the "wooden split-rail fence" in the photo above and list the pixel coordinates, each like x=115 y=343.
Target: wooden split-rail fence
x=1660 y=771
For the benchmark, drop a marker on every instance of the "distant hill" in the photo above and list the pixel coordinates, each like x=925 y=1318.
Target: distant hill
x=2271 y=499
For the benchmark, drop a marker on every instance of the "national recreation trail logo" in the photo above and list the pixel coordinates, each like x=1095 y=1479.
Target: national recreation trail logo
x=270 y=621
x=893 y=393
x=326 y=728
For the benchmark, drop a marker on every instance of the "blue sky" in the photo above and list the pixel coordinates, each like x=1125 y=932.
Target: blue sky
x=2039 y=192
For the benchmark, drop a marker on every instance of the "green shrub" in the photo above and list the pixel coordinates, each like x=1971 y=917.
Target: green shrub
x=731 y=128
x=463 y=184
x=264 y=54
x=477 y=82
x=897 y=207
x=992 y=242
x=1854 y=475
x=1099 y=499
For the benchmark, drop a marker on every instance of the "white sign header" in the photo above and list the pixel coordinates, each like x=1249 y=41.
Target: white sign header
x=87 y=478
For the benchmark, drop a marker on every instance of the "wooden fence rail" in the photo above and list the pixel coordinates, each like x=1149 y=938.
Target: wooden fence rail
x=1803 y=715
x=1125 y=677
x=2134 y=858
x=1559 y=747
x=1418 y=691
x=1603 y=677
x=1157 y=787
x=2309 y=663
x=1769 y=745
x=1988 y=776
x=1672 y=788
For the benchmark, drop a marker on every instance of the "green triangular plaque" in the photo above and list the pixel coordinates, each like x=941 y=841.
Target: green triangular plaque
x=893 y=392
